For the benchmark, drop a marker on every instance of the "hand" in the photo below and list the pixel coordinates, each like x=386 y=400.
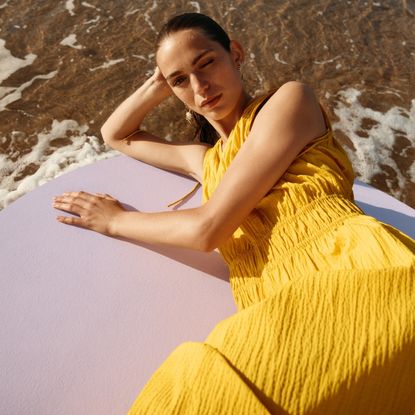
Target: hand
x=96 y=212
x=161 y=84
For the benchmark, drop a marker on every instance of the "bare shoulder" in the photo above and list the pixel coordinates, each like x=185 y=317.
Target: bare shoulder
x=294 y=105
x=297 y=92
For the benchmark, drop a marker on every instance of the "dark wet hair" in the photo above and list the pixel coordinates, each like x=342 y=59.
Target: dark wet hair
x=205 y=133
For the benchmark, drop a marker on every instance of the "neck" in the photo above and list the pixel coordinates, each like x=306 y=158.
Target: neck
x=225 y=126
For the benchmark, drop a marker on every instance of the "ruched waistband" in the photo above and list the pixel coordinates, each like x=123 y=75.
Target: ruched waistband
x=289 y=233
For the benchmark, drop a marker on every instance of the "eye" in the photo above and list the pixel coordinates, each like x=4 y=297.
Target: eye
x=179 y=80
x=207 y=63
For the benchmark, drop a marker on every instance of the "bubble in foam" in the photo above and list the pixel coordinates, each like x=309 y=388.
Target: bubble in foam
x=48 y=160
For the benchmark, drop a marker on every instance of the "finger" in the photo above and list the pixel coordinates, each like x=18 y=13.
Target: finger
x=78 y=195
x=70 y=207
x=71 y=221
x=73 y=196
x=74 y=202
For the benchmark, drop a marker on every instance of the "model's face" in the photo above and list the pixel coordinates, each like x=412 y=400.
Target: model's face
x=201 y=73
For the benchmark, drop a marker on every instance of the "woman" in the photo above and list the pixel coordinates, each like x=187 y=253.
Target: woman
x=325 y=293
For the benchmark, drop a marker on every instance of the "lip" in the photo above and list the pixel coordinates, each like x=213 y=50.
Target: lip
x=210 y=102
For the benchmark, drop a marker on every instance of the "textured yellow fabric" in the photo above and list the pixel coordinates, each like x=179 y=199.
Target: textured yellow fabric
x=326 y=298
x=306 y=223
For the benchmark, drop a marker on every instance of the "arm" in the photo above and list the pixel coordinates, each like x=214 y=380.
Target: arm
x=103 y=214
x=130 y=113
x=290 y=119
x=287 y=122
x=122 y=132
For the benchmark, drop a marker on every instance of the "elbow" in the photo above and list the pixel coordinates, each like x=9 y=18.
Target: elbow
x=207 y=246
x=211 y=243
x=206 y=237
x=106 y=136
x=201 y=243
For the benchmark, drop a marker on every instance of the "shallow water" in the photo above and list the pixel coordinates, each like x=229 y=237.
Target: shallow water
x=64 y=66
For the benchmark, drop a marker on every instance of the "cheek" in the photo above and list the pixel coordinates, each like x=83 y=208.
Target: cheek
x=184 y=95
x=226 y=76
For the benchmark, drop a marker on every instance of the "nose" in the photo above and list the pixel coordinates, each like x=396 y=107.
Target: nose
x=199 y=84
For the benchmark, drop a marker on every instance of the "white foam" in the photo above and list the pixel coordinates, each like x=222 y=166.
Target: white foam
x=141 y=57
x=5 y=90
x=147 y=15
x=71 y=42
x=327 y=61
x=11 y=94
x=93 y=20
x=376 y=149
x=196 y=5
x=10 y=64
x=132 y=12
x=278 y=59
x=91 y=6
x=107 y=64
x=229 y=10
x=83 y=150
x=70 y=7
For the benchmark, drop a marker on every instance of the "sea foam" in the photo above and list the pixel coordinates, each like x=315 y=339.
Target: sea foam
x=375 y=144
x=71 y=42
x=10 y=64
x=11 y=94
x=48 y=161
x=69 y=5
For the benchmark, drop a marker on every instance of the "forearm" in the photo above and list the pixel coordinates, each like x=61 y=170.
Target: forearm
x=129 y=115
x=183 y=228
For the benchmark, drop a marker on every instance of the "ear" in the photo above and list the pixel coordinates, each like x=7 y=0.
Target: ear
x=237 y=52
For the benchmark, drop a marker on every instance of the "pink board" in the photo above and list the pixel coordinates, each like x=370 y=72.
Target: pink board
x=86 y=319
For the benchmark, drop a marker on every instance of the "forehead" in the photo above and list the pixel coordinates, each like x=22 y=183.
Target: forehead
x=184 y=45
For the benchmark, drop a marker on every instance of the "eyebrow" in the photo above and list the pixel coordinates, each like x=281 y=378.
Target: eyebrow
x=195 y=60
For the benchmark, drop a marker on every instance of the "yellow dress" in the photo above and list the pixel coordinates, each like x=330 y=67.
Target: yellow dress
x=325 y=296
